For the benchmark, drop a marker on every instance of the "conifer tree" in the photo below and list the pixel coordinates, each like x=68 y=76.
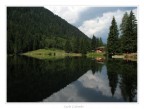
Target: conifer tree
x=93 y=43
x=123 y=31
x=129 y=34
x=112 y=41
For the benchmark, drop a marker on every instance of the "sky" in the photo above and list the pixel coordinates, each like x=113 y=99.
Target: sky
x=92 y=20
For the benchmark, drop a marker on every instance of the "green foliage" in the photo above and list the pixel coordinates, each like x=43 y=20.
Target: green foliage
x=76 y=45
x=83 y=47
x=68 y=47
x=88 y=45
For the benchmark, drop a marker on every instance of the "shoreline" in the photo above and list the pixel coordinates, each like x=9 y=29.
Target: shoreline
x=126 y=56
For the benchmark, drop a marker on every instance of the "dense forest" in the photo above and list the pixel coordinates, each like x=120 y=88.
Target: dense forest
x=125 y=39
x=31 y=28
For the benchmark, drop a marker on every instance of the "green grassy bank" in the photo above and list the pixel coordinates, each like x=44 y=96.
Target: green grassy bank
x=55 y=53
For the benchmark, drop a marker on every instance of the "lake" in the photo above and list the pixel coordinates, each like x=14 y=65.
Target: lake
x=71 y=79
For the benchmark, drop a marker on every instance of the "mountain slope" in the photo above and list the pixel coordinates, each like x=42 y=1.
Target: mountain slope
x=31 y=28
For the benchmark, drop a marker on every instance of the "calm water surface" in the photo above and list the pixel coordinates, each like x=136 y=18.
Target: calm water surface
x=71 y=80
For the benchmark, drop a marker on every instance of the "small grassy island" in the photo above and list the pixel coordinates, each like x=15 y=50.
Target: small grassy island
x=49 y=54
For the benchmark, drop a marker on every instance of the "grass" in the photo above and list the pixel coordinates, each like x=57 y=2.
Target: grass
x=49 y=54
x=57 y=54
x=94 y=55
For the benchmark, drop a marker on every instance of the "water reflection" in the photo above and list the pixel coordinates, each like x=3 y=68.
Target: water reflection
x=123 y=74
x=89 y=87
x=70 y=79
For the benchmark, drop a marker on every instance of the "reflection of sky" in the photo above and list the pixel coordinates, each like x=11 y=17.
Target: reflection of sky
x=89 y=87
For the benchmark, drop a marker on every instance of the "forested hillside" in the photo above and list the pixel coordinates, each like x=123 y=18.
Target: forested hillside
x=31 y=28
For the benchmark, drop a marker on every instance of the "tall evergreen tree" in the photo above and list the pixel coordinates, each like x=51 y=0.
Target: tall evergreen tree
x=134 y=31
x=112 y=41
x=129 y=32
x=93 y=43
x=123 y=31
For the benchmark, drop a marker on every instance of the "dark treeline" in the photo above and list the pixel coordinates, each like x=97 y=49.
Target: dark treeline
x=125 y=39
x=83 y=46
x=96 y=42
x=31 y=28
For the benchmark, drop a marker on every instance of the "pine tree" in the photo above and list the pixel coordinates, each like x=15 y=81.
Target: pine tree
x=129 y=32
x=93 y=43
x=134 y=31
x=123 y=31
x=112 y=41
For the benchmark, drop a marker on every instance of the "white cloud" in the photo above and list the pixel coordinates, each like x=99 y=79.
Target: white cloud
x=69 y=13
x=100 y=25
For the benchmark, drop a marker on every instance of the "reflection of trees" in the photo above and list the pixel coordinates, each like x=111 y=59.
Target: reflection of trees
x=112 y=71
x=128 y=77
x=32 y=80
x=99 y=67
x=95 y=66
x=128 y=83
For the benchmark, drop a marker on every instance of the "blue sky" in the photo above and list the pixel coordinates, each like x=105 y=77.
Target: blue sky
x=91 y=20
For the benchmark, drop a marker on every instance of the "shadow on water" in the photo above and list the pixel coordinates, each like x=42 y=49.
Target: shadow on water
x=30 y=80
